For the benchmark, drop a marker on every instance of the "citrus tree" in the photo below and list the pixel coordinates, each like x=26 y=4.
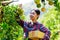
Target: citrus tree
x=52 y=21
x=9 y=29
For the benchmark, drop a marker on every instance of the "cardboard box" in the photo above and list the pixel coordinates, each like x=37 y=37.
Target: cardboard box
x=36 y=34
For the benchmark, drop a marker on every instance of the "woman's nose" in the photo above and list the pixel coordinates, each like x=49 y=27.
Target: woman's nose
x=31 y=16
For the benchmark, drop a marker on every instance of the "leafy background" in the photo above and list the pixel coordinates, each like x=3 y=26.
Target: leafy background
x=10 y=30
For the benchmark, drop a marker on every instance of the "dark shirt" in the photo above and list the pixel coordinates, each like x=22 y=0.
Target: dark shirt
x=27 y=27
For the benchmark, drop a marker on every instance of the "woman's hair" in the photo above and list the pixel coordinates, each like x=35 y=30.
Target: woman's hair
x=37 y=11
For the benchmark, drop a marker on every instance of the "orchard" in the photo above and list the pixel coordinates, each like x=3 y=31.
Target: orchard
x=9 y=28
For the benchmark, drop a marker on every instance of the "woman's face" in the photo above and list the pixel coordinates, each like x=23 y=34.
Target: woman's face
x=33 y=15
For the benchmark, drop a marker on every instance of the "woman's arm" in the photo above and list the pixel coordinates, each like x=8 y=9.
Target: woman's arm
x=46 y=31
x=19 y=21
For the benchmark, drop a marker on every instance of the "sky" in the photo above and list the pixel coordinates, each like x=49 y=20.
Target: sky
x=25 y=1
x=28 y=5
x=22 y=1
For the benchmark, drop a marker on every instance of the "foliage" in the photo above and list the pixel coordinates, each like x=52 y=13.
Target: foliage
x=4 y=0
x=9 y=29
x=52 y=21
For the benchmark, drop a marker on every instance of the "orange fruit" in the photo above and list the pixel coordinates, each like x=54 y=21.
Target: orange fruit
x=43 y=9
